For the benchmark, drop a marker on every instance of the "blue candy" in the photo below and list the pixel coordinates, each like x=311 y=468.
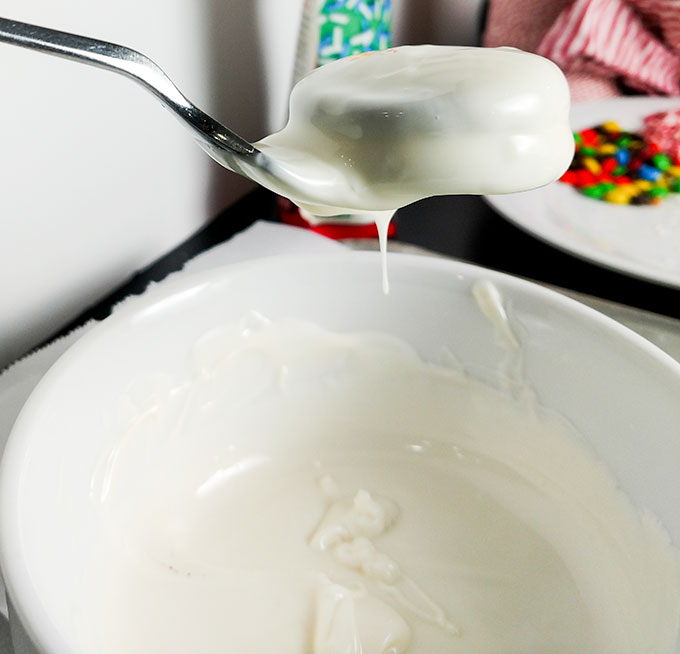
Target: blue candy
x=622 y=156
x=650 y=173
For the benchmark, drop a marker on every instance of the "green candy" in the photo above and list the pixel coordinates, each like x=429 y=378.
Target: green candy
x=596 y=192
x=661 y=161
x=658 y=192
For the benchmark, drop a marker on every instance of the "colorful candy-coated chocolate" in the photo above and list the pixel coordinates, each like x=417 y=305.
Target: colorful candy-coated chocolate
x=617 y=166
x=622 y=156
x=647 y=171
x=661 y=161
x=593 y=165
x=611 y=126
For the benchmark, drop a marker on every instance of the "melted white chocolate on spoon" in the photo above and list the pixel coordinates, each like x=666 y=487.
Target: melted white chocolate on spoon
x=375 y=132
x=378 y=131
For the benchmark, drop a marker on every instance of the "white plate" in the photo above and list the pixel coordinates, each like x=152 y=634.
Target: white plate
x=642 y=241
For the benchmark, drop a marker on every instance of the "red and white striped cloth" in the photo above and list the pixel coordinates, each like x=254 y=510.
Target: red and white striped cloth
x=596 y=42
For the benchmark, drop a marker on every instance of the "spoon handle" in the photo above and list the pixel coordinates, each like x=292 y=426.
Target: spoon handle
x=129 y=63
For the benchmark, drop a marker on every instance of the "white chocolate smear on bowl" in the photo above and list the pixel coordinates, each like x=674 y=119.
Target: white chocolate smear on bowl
x=309 y=492
x=372 y=133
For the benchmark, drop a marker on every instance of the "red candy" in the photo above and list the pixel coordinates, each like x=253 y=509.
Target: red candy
x=589 y=137
x=609 y=164
x=585 y=178
x=569 y=177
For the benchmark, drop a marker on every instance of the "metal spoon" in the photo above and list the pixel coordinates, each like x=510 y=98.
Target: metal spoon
x=223 y=145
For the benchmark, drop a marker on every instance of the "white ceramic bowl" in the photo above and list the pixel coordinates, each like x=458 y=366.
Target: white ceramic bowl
x=619 y=391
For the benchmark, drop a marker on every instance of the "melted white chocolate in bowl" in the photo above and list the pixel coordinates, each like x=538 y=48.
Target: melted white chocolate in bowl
x=306 y=492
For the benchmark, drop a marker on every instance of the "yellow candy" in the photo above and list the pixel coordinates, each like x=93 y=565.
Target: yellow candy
x=628 y=189
x=643 y=184
x=617 y=196
x=611 y=126
x=593 y=165
x=607 y=148
x=673 y=170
